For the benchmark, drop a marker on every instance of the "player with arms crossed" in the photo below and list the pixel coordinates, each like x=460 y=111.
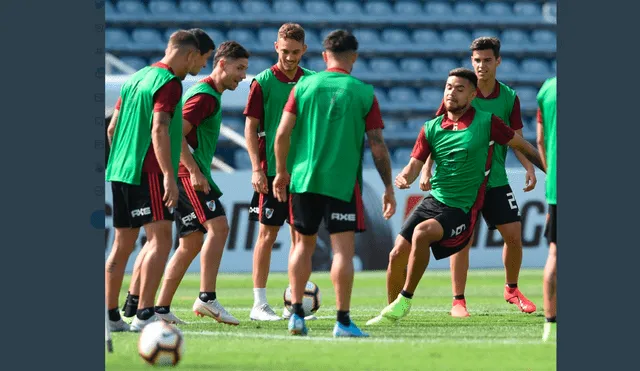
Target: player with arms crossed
x=269 y=92
x=322 y=133
x=546 y=138
x=145 y=135
x=500 y=207
x=459 y=142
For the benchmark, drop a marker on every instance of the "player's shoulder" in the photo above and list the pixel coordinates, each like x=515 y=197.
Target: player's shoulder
x=506 y=88
x=263 y=76
x=307 y=72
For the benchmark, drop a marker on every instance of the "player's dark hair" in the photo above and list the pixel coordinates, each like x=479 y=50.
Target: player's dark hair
x=465 y=73
x=486 y=43
x=340 y=41
x=291 y=31
x=183 y=38
x=205 y=43
x=230 y=50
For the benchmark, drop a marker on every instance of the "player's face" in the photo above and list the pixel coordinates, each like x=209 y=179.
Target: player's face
x=485 y=64
x=198 y=62
x=458 y=94
x=235 y=70
x=289 y=53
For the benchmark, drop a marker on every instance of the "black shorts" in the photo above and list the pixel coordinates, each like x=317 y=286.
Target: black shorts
x=267 y=209
x=551 y=229
x=195 y=208
x=500 y=207
x=309 y=209
x=457 y=226
x=137 y=205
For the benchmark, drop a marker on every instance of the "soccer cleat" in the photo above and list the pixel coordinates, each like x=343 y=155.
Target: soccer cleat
x=213 y=309
x=394 y=311
x=118 y=326
x=378 y=320
x=340 y=330
x=459 y=308
x=286 y=315
x=549 y=331
x=297 y=326
x=514 y=296
x=138 y=324
x=263 y=313
x=170 y=318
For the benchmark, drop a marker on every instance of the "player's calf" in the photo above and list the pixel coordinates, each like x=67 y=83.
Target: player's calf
x=397 y=268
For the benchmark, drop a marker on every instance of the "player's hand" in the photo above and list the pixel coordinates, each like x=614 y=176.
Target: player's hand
x=259 y=182
x=280 y=184
x=425 y=181
x=199 y=182
x=388 y=203
x=530 y=181
x=170 y=192
x=401 y=181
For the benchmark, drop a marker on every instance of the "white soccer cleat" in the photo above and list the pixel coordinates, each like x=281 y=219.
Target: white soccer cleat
x=213 y=309
x=286 y=315
x=138 y=324
x=264 y=313
x=118 y=326
x=170 y=318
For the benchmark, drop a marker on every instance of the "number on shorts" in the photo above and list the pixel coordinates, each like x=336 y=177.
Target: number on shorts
x=512 y=201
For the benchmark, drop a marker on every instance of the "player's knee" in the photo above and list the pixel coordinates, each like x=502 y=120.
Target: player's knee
x=268 y=234
x=219 y=227
x=512 y=234
x=426 y=233
x=400 y=251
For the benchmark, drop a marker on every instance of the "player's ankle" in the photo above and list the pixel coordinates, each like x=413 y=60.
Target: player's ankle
x=406 y=294
x=343 y=317
x=114 y=315
x=145 y=313
x=459 y=297
x=162 y=309
x=512 y=285
x=297 y=309
x=207 y=296
x=551 y=319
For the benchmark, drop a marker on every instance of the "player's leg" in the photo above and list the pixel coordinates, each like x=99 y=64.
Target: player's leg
x=133 y=295
x=550 y=276
x=397 y=268
x=459 y=265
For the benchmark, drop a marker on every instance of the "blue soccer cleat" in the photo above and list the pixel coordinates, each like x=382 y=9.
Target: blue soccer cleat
x=340 y=330
x=297 y=325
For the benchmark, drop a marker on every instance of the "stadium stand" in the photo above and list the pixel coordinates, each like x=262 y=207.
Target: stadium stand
x=406 y=46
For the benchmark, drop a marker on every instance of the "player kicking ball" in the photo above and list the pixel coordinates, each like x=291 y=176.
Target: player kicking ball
x=459 y=141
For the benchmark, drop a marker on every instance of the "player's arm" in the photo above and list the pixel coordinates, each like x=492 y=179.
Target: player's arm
x=515 y=119
x=540 y=138
x=111 y=129
x=195 y=110
x=282 y=145
x=502 y=134
x=421 y=151
x=254 y=111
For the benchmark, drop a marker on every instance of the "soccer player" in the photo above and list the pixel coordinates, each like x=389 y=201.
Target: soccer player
x=458 y=141
x=322 y=133
x=269 y=92
x=199 y=209
x=145 y=136
x=500 y=209
x=546 y=139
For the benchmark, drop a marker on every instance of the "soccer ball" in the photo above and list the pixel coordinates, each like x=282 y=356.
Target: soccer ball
x=310 y=300
x=161 y=344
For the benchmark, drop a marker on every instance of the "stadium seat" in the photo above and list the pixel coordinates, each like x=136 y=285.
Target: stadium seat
x=267 y=36
x=317 y=64
x=259 y=64
x=217 y=36
x=360 y=67
x=402 y=155
x=136 y=63
x=235 y=123
x=543 y=38
x=535 y=66
x=163 y=8
x=467 y=11
x=367 y=37
x=426 y=38
x=466 y=63
x=318 y=7
x=438 y=9
x=442 y=66
x=527 y=10
x=243 y=36
x=311 y=39
x=256 y=7
x=431 y=97
x=393 y=125
x=408 y=7
x=381 y=96
x=241 y=159
x=527 y=95
x=508 y=67
x=498 y=10
x=194 y=7
x=132 y=8
x=378 y=8
x=417 y=66
x=396 y=36
x=287 y=7
x=109 y=9
x=485 y=32
x=554 y=66
x=401 y=94
x=147 y=39
x=456 y=39
x=513 y=39
x=348 y=7
x=383 y=66
x=415 y=124
x=116 y=38
x=367 y=160
x=225 y=7
x=169 y=31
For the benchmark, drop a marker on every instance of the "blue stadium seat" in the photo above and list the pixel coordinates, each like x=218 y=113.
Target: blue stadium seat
x=256 y=7
x=241 y=159
x=497 y=10
x=438 y=9
x=318 y=7
x=243 y=36
x=485 y=32
x=259 y=64
x=383 y=66
x=360 y=68
x=527 y=95
x=235 y=123
x=147 y=39
x=367 y=160
x=378 y=8
x=225 y=7
x=267 y=36
x=554 y=66
x=508 y=68
x=348 y=7
x=544 y=38
x=466 y=63
x=427 y=39
x=109 y=9
x=194 y=7
x=116 y=38
x=408 y=7
x=401 y=94
x=393 y=125
x=402 y=155
x=287 y=7
x=527 y=10
x=217 y=36
x=431 y=97
x=164 y=8
x=367 y=37
x=415 y=124
x=311 y=39
x=417 y=66
x=396 y=36
x=456 y=39
x=168 y=32
x=535 y=66
x=132 y=8
x=381 y=95
x=467 y=11
x=134 y=62
x=442 y=66
x=317 y=64
x=513 y=39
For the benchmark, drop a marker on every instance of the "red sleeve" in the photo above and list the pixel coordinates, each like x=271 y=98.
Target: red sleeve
x=255 y=106
x=118 y=103
x=374 y=117
x=500 y=132
x=198 y=108
x=291 y=106
x=166 y=99
x=442 y=109
x=421 y=149
x=539 y=116
x=516 y=115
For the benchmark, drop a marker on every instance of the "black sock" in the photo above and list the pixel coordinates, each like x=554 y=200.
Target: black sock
x=297 y=309
x=163 y=309
x=551 y=319
x=343 y=317
x=114 y=315
x=512 y=285
x=408 y=295
x=207 y=296
x=145 y=313
x=131 y=305
x=459 y=297
x=124 y=306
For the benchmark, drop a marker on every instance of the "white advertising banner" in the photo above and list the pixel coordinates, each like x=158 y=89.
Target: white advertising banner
x=373 y=246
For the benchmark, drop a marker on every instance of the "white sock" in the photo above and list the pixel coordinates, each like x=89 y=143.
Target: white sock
x=259 y=296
